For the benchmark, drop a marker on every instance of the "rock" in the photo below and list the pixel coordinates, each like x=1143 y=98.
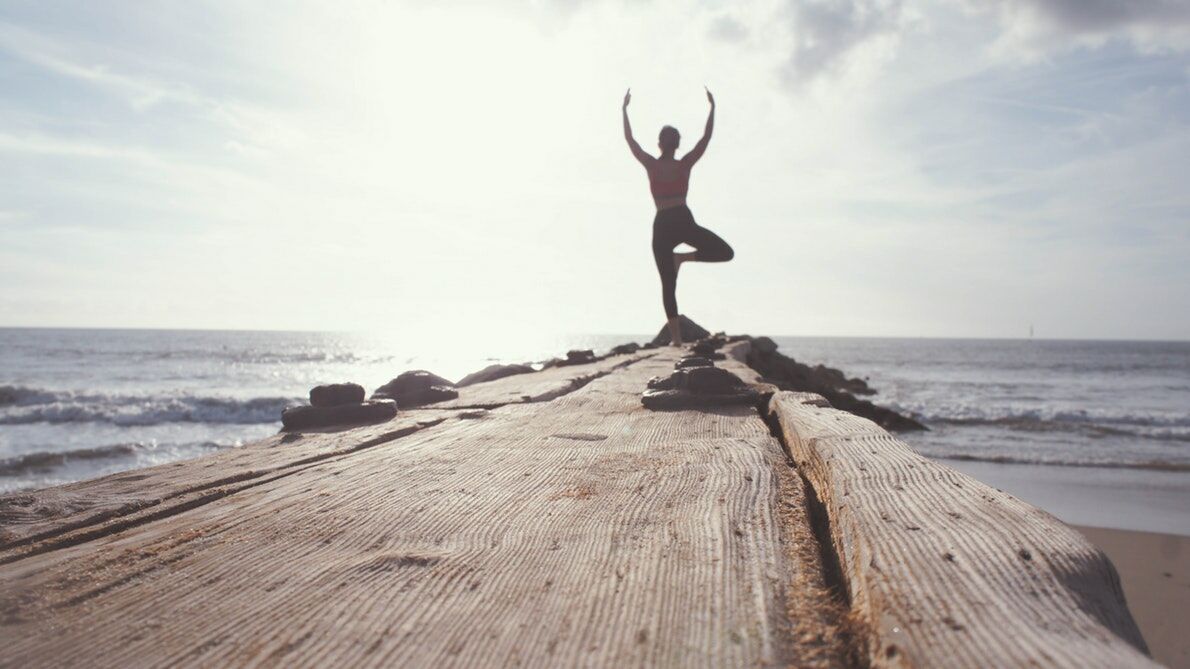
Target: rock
x=764 y=345
x=789 y=374
x=416 y=388
x=708 y=354
x=691 y=331
x=885 y=418
x=580 y=357
x=693 y=361
x=669 y=400
x=708 y=345
x=711 y=380
x=493 y=372
x=698 y=385
x=306 y=417
x=630 y=347
x=335 y=394
x=669 y=382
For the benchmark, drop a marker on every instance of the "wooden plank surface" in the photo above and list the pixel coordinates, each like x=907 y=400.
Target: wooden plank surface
x=582 y=531
x=946 y=571
x=541 y=386
x=81 y=509
x=64 y=513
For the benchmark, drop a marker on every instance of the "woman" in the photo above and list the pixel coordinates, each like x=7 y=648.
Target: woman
x=669 y=180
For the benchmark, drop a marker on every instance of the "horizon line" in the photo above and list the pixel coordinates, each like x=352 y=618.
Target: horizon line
x=602 y=334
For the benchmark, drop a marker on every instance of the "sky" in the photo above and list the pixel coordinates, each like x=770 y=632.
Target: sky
x=938 y=168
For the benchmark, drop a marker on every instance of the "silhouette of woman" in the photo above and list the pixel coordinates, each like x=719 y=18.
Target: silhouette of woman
x=669 y=179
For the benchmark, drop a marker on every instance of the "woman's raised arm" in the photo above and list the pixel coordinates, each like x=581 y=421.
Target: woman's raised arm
x=637 y=152
x=700 y=148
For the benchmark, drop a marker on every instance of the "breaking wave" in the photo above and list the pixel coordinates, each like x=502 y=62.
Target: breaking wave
x=1151 y=465
x=21 y=405
x=32 y=463
x=1150 y=425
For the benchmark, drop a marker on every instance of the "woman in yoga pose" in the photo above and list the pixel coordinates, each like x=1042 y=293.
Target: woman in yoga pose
x=669 y=179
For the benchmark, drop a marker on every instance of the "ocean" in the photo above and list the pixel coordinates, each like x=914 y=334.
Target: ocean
x=78 y=403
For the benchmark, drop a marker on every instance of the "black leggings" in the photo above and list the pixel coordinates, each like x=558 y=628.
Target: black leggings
x=674 y=226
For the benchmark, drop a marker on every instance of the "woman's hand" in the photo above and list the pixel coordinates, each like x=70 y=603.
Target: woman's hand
x=710 y=98
x=627 y=98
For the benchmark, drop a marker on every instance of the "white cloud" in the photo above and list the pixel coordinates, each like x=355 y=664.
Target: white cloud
x=141 y=93
x=827 y=34
x=1034 y=28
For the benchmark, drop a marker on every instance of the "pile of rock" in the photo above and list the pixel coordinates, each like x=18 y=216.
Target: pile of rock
x=788 y=374
x=337 y=404
x=708 y=347
x=416 y=388
x=696 y=382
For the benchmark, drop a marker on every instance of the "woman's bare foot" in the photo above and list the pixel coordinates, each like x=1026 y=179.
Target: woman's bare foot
x=675 y=330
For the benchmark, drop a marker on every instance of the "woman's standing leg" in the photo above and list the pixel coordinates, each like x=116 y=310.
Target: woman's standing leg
x=663 y=255
x=664 y=242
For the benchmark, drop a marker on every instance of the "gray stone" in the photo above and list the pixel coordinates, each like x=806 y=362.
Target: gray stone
x=698 y=386
x=671 y=382
x=764 y=345
x=580 y=357
x=711 y=380
x=335 y=394
x=306 y=417
x=693 y=361
x=416 y=388
x=708 y=345
x=691 y=331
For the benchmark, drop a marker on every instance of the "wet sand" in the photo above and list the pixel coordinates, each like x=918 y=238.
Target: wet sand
x=1133 y=499
x=1155 y=571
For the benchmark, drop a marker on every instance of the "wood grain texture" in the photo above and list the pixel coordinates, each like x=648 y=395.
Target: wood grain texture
x=63 y=513
x=541 y=386
x=581 y=531
x=946 y=571
x=737 y=356
x=84 y=508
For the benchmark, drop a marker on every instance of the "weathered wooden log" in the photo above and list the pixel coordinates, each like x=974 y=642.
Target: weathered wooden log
x=540 y=386
x=570 y=526
x=69 y=514
x=585 y=531
x=946 y=571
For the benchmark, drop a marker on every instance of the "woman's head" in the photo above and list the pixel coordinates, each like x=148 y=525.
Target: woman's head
x=669 y=138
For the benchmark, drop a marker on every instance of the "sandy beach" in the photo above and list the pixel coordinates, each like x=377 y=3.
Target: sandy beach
x=1155 y=571
x=1133 y=499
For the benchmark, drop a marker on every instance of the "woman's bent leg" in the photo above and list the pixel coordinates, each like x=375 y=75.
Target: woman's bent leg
x=710 y=247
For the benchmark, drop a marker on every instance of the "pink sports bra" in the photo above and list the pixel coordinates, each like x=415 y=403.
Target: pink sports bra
x=668 y=189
